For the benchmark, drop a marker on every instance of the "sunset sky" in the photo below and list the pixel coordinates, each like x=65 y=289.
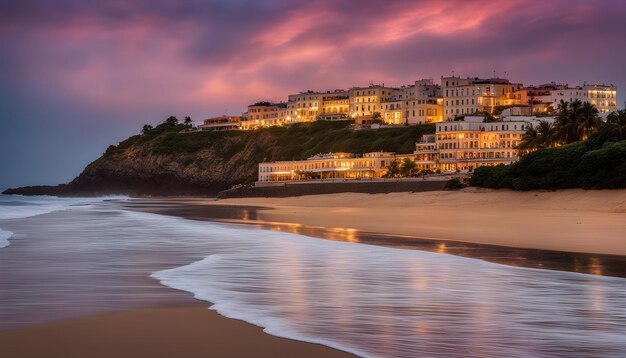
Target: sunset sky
x=76 y=76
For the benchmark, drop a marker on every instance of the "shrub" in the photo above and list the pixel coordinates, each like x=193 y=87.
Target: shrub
x=587 y=164
x=455 y=184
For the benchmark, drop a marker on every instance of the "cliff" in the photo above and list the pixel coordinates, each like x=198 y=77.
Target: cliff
x=166 y=161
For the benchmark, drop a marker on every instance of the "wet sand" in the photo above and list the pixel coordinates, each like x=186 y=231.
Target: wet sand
x=189 y=331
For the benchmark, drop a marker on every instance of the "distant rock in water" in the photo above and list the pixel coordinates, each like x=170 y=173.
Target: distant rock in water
x=166 y=162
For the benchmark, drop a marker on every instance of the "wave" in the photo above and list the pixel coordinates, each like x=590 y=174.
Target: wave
x=4 y=238
x=19 y=207
x=377 y=301
x=184 y=279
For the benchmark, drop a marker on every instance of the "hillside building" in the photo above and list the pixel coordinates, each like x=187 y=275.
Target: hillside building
x=466 y=96
x=221 y=123
x=330 y=166
x=462 y=146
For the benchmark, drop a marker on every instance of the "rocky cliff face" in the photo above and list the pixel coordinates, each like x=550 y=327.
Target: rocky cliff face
x=141 y=170
x=165 y=161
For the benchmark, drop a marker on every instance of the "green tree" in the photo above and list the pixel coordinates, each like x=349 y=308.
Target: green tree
x=393 y=169
x=408 y=168
x=377 y=117
x=146 y=129
x=541 y=136
x=616 y=125
x=588 y=120
x=546 y=135
x=566 y=126
x=171 y=121
x=187 y=121
x=529 y=141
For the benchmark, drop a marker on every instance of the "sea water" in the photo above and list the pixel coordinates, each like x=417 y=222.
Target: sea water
x=92 y=256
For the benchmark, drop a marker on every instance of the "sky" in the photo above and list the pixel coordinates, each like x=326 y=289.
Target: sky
x=77 y=76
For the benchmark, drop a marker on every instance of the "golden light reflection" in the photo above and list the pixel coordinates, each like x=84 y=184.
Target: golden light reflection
x=596 y=267
x=441 y=248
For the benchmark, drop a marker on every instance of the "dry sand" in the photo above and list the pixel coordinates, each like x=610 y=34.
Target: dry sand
x=191 y=331
x=592 y=221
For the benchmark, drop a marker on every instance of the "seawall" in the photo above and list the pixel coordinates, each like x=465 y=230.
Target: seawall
x=282 y=190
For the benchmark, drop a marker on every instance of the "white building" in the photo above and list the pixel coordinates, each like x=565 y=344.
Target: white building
x=462 y=146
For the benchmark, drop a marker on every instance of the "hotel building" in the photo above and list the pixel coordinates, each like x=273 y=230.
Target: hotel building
x=330 y=166
x=602 y=96
x=220 y=123
x=262 y=114
x=456 y=147
x=425 y=102
x=541 y=97
x=462 y=146
x=307 y=106
x=463 y=96
x=364 y=101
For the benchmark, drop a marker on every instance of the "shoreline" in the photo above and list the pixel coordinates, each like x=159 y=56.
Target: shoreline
x=257 y=216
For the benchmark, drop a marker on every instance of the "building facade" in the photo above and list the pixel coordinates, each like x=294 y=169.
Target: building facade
x=330 y=166
x=604 y=97
x=425 y=101
x=263 y=114
x=221 y=123
x=462 y=146
x=364 y=101
x=466 y=96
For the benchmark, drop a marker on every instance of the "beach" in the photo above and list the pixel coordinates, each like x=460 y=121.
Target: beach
x=188 y=331
x=591 y=221
x=131 y=298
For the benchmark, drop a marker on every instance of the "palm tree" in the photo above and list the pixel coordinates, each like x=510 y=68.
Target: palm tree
x=616 y=124
x=408 y=168
x=546 y=135
x=529 y=141
x=588 y=121
x=575 y=121
x=393 y=169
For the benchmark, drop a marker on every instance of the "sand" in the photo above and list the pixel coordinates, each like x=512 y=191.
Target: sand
x=591 y=221
x=190 y=331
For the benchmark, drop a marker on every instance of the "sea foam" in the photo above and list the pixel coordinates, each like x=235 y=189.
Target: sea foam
x=376 y=301
x=18 y=207
x=4 y=238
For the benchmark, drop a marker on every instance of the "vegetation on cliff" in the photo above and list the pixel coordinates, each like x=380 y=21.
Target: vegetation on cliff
x=170 y=160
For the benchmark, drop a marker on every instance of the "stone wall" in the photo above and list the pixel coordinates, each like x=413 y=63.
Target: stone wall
x=294 y=189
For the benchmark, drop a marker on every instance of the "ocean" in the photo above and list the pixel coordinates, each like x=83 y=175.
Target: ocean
x=66 y=258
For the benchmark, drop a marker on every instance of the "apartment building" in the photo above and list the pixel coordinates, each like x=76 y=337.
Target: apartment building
x=364 y=101
x=418 y=103
x=604 y=97
x=263 y=114
x=464 y=96
x=307 y=106
x=462 y=146
x=220 y=123
x=330 y=166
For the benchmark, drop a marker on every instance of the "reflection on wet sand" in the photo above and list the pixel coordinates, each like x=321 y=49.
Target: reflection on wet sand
x=595 y=264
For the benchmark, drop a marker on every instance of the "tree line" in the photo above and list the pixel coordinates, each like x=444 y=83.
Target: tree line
x=574 y=121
